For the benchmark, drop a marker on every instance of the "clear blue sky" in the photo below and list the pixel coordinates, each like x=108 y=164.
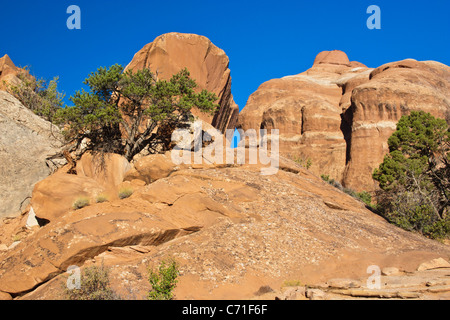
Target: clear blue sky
x=263 y=39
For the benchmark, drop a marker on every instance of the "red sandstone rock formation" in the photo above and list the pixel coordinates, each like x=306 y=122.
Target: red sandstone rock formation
x=340 y=114
x=208 y=65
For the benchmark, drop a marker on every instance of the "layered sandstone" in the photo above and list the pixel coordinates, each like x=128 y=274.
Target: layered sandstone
x=207 y=64
x=339 y=114
x=376 y=105
x=305 y=108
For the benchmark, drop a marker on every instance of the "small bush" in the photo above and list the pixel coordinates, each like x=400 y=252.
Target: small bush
x=292 y=283
x=40 y=96
x=101 y=198
x=163 y=280
x=334 y=183
x=305 y=163
x=94 y=285
x=408 y=213
x=81 y=203
x=125 y=193
x=365 y=197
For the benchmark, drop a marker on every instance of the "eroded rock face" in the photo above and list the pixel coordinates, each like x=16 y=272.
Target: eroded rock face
x=340 y=114
x=207 y=64
x=26 y=143
x=306 y=110
x=376 y=105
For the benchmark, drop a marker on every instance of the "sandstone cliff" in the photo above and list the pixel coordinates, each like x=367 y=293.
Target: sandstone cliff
x=305 y=108
x=208 y=65
x=340 y=114
x=378 y=102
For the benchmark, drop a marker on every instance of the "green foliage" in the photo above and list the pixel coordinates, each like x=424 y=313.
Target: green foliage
x=305 y=163
x=421 y=218
x=122 y=109
x=163 y=280
x=40 y=96
x=412 y=148
x=101 y=198
x=125 y=193
x=94 y=285
x=365 y=197
x=292 y=283
x=80 y=202
x=415 y=176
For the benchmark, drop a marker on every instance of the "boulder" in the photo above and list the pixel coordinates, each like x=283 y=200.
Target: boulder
x=151 y=168
x=55 y=195
x=26 y=144
x=108 y=170
x=207 y=64
x=434 y=264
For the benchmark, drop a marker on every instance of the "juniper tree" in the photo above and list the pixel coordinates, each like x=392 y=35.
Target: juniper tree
x=415 y=175
x=121 y=110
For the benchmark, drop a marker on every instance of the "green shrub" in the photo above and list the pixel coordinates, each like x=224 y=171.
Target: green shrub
x=325 y=177
x=305 y=163
x=40 y=96
x=81 y=203
x=415 y=176
x=365 y=197
x=94 y=285
x=407 y=213
x=101 y=198
x=163 y=280
x=292 y=283
x=125 y=193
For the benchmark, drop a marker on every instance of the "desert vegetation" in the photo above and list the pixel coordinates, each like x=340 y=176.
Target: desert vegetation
x=80 y=203
x=415 y=176
x=39 y=95
x=94 y=285
x=122 y=109
x=125 y=193
x=163 y=280
x=363 y=196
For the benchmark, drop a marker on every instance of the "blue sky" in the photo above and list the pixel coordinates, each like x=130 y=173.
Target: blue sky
x=263 y=39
